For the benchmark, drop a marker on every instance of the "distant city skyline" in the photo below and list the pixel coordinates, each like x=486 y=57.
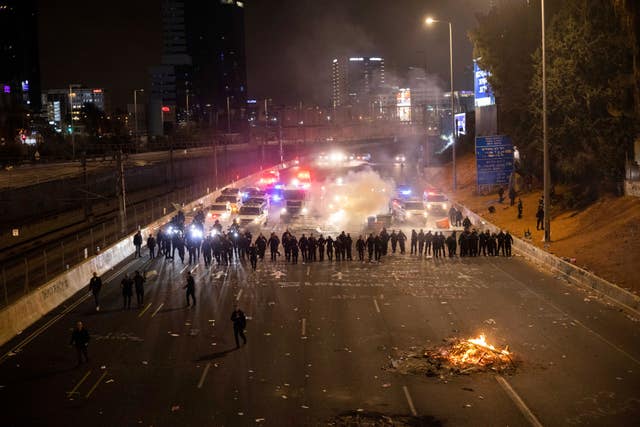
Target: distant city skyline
x=288 y=44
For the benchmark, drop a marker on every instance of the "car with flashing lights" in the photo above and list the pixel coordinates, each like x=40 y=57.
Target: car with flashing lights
x=230 y=191
x=436 y=202
x=248 y=192
x=233 y=200
x=411 y=210
x=400 y=158
x=268 y=179
x=332 y=158
x=219 y=211
x=364 y=157
x=404 y=191
x=252 y=214
x=258 y=200
x=302 y=179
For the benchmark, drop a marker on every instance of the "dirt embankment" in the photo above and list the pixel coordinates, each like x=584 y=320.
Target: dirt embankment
x=604 y=238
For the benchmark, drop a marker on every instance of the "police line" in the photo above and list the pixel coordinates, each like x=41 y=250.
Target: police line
x=32 y=307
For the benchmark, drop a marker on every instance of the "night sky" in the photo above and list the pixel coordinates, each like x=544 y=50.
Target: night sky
x=290 y=43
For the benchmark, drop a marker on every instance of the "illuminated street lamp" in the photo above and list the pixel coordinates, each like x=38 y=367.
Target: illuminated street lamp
x=431 y=21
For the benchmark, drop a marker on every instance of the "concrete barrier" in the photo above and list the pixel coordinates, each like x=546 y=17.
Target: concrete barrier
x=32 y=307
x=571 y=272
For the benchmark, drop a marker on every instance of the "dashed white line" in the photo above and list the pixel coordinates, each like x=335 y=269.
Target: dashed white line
x=183 y=270
x=71 y=393
x=195 y=268
x=145 y=310
x=308 y=271
x=533 y=420
x=409 y=401
x=375 y=302
x=239 y=295
x=157 y=309
x=96 y=385
x=304 y=327
x=204 y=374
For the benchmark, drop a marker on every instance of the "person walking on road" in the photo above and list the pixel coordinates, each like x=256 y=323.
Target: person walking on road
x=127 y=291
x=80 y=339
x=95 y=284
x=151 y=244
x=137 y=242
x=191 y=288
x=239 y=323
x=253 y=256
x=138 y=280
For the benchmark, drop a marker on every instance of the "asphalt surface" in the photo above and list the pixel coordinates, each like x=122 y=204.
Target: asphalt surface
x=320 y=340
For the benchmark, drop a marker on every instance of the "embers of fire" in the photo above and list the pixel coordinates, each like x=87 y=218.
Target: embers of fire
x=457 y=356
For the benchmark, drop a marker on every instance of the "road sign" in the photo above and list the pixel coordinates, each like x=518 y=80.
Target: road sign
x=494 y=159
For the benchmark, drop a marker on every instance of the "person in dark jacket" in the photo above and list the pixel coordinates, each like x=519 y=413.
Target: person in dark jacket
x=329 y=248
x=191 y=288
x=360 y=245
x=95 y=284
x=138 y=281
x=239 y=324
x=371 y=245
x=80 y=339
x=151 y=244
x=137 y=242
x=253 y=256
x=414 y=242
x=508 y=241
x=401 y=239
x=127 y=291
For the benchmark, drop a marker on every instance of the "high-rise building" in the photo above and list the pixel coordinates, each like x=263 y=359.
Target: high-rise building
x=64 y=106
x=356 y=80
x=203 y=63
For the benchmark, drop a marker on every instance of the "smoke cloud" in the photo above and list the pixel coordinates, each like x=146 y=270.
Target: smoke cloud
x=346 y=201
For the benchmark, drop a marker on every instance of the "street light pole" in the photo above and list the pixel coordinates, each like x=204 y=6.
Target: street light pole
x=545 y=143
x=453 y=115
x=430 y=21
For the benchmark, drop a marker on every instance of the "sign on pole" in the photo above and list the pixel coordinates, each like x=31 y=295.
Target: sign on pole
x=494 y=159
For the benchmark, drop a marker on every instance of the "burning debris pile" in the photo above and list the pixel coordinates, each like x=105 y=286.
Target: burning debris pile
x=457 y=356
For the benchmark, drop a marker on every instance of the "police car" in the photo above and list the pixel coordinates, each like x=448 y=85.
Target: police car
x=219 y=211
x=412 y=210
x=252 y=214
x=436 y=202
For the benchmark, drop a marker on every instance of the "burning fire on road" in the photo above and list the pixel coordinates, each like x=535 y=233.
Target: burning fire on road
x=457 y=356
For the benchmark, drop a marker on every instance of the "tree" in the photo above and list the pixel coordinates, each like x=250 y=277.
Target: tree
x=589 y=97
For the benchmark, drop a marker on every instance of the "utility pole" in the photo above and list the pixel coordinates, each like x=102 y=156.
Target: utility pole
x=545 y=143
x=280 y=137
x=120 y=189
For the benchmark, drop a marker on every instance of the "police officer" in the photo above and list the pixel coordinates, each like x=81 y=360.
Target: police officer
x=303 y=244
x=428 y=240
x=137 y=242
x=261 y=243
x=95 y=284
x=414 y=242
x=127 y=291
x=293 y=242
x=500 y=243
x=330 y=248
x=420 y=242
x=273 y=246
x=239 y=324
x=321 y=243
x=191 y=288
x=519 y=208
x=348 y=243
x=401 y=239
x=151 y=244
x=508 y=241
x=253 y=256
x=138 y=281
x=371 y=245
x=360 y=245
x=312 y=243
x=394 y=241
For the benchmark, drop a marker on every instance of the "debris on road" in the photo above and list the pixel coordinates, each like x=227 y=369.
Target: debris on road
x=363 y=418
x=456 y=357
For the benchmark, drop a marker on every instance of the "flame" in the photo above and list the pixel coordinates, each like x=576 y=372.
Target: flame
x=477 y=351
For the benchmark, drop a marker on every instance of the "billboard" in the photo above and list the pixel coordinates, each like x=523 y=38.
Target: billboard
x=483 y=93
x=494 y=159
x=403 y=102
x=461 y=123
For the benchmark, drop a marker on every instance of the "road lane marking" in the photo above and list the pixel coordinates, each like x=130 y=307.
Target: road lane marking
x=304 y=327
x=308 y=270
x=204 y=375
x=533 y=420
x=75 y=389
x=96 y=385
x=145 y=310
x=575 y=320
x=375 y=302
x=409 y=401
x=239 y=295
x=48 y=324
x=195 y=268
x=183 y=270
x=157 y=309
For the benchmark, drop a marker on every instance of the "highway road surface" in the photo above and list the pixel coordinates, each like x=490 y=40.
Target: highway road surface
x=322 y=342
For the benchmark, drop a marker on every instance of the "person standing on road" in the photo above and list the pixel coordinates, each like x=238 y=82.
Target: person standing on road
x=321 y=243
x=414 y=242
x=540 y=218
x=139 y=280
x=394 y=241
x=428 y=240
x=253 y=256
x=348 y=244
x=151 y=244
x=329 y=248
x=80 y=339
x=420 y=242
x=239 y=323
x=512 y=196
x=371 y=245
x=137 y=242
x=360 y=245
x=273 y=246
x=191 y=288
x=508 y=241
x=127 y=291
x=95 y=284
x=519 y=208
x=401 y=239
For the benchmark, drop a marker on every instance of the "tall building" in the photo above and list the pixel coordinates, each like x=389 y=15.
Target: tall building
x=356 y=80
x=203 y=63
x=19 y=61
x=63 y=106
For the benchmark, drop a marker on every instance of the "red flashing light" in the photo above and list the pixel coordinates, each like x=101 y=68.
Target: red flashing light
x=97 y=91
x=166 y=109
x=304 y=175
